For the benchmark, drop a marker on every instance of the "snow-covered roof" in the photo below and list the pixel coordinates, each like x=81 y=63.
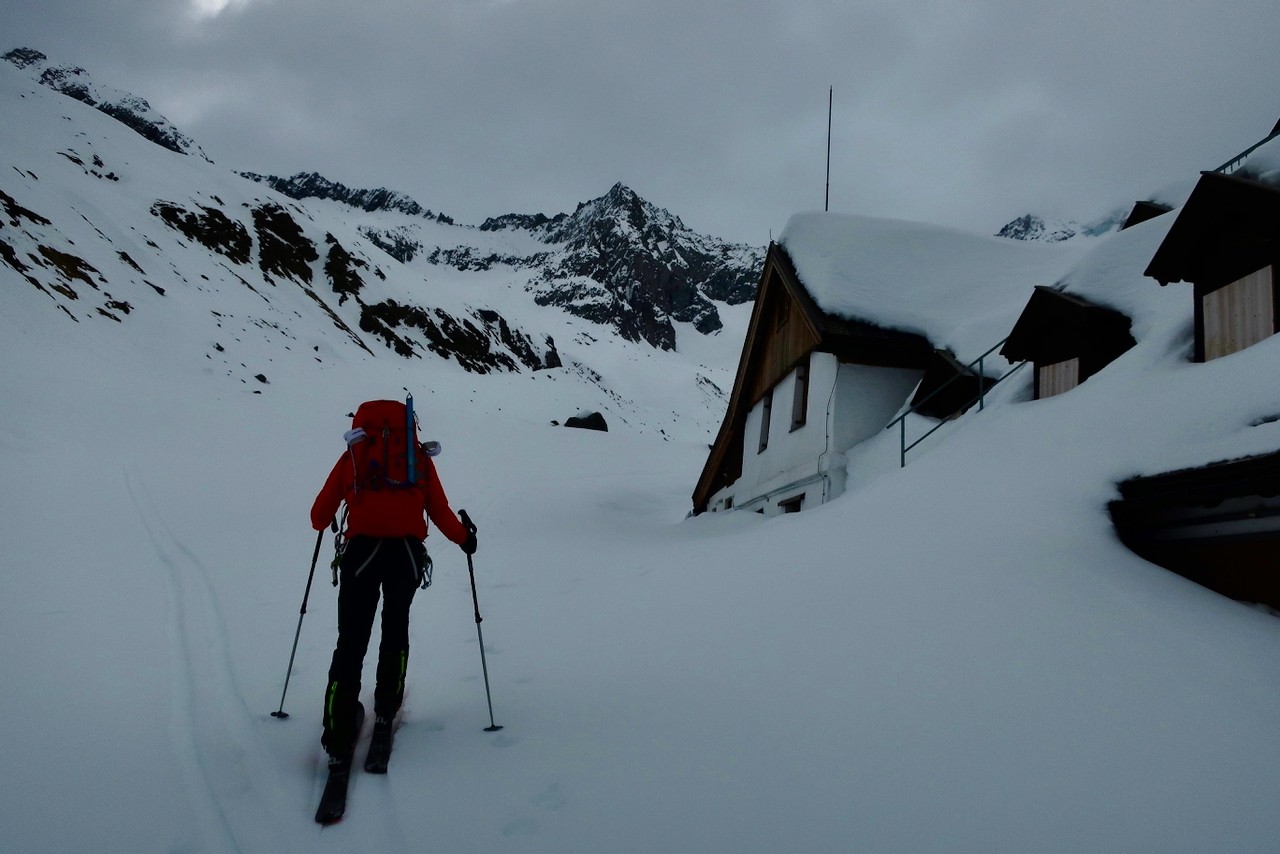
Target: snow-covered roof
x=961 y=290
x=1111 y=275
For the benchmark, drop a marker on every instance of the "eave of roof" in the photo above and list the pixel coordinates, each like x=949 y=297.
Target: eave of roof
x=1225 y=227
x=1055 y=320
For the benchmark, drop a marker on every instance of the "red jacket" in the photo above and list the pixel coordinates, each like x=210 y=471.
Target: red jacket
x=386 y=512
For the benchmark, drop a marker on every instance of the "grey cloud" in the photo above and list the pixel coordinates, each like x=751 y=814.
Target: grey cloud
x=964 y=114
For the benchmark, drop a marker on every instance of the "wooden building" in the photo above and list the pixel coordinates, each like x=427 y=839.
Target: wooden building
x=1226 y=242
x=809 y=386
x=1218 y=525
x=1066 y=338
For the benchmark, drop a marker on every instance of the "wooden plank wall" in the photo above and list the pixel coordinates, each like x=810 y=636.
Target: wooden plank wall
x=1239 y=315
x=1057 y=378
x=787 y=340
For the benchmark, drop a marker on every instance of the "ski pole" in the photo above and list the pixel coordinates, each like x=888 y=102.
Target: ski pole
x=281 y=713
x=471 y=569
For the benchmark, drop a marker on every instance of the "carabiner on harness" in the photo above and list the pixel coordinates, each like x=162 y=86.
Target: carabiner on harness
x=425 y=576
x=339 y=544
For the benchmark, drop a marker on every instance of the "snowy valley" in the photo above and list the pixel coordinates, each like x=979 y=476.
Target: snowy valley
x=955 y=656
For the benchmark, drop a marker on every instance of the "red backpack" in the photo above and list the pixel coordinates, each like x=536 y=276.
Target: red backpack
x=384 y=448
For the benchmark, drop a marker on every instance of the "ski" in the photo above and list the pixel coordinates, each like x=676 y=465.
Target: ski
x=379 y=754
x=333 y=803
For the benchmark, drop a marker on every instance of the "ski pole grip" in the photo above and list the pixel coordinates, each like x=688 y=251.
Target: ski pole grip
x=466 y=521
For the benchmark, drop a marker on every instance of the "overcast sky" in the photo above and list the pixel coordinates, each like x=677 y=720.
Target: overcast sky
x=959 y=112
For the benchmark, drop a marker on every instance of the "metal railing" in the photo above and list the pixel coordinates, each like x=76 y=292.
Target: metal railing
x=1234 y=163
x=980 y=399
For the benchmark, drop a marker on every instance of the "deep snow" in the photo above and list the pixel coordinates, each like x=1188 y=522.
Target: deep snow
x=957 y=656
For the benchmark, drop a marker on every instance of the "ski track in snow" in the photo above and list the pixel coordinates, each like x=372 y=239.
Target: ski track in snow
x=378 y=787
x=210 y=724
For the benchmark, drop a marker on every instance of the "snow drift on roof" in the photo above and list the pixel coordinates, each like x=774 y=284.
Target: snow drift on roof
x=963 y=291
x=1112 y=275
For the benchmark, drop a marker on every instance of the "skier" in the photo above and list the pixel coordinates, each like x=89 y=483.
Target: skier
x=384 y=553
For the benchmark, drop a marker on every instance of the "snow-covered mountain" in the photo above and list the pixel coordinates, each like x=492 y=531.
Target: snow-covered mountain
x=108 y=226
x=1033 y=227
x=637 y=267
x=618 y=260
x=956 y=656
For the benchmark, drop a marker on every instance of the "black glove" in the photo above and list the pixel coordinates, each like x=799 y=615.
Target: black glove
x=469 y=545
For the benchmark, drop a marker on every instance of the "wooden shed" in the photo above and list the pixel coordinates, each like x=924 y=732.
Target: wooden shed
x=1218 y=525
x=1067 y=339
x=1226 y=242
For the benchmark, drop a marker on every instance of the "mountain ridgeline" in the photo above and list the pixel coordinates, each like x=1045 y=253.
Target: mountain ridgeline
x=104 y=225
x=617 y=261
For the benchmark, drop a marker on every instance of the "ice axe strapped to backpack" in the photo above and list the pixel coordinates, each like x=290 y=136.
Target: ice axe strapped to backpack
x=389 y=470
x=384 y=448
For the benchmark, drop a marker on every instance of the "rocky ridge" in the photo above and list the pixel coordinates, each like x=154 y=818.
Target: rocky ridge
x=624 y=262
x=386 y=272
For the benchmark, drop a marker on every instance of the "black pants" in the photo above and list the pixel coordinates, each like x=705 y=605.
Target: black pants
x=372 y=567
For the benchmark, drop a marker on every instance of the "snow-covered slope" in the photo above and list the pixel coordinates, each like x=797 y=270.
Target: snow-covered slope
x=957 y=656
x=103 y=226
x=125 y=107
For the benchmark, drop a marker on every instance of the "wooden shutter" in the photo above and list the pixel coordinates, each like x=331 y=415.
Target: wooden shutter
x=1058 y=377
x=1239 y=315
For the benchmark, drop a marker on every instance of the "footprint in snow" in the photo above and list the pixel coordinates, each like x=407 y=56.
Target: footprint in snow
x=551 y=798
x=520 y=827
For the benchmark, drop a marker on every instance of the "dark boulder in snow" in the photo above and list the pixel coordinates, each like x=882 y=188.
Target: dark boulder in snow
x=588 y=421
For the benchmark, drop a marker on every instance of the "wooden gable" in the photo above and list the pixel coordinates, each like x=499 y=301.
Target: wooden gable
x=783 y=328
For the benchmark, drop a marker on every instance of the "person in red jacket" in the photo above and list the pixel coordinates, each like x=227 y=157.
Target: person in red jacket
x=384 y=555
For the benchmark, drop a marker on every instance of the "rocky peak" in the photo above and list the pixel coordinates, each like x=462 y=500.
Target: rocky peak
x=1034 y=228
x=620 y=214
x=126 y=108
x=1031 y=227
x=630 y=264
x=25 y=56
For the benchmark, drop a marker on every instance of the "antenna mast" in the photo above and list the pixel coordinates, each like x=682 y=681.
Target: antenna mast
x=826 y=204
